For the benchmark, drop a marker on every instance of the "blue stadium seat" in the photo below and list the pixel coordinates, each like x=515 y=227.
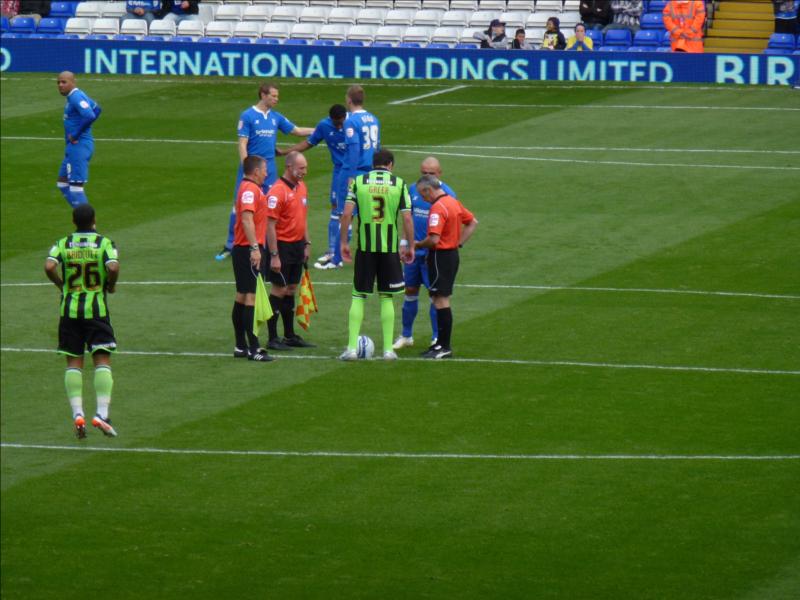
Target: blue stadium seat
x=438 y=45
x=779 y=43
x=41 y=36
x=50 y=25
x=596 y=35
x=409 y=45
x=466 y=46
x=652 y=21
x=64 y=10
x=68 y=36
x=323 y=43
x=210 y=40
x=97 y=36
x=613 y=49
x=153 y=38
x=182 y=38
x=11 y=34
x=656 y=6
x=23 y=25
x=352 y=44
x=618 y=37
x=239 y=40
x=647 y=37
x=295 y=42
x=4 y=24
x=124 y=38
x=268 y=41
x=381 y=44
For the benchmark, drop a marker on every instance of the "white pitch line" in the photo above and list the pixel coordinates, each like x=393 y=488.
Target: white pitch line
x=428 y=95
x=474 y=286
x=608 y=106
x=31 y=138
x=407 y=455
x=489 y=361
x=490 y=286
x=606 y=162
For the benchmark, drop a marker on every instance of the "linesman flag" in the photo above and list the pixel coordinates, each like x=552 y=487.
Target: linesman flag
x=263 y=310
x=308 y=302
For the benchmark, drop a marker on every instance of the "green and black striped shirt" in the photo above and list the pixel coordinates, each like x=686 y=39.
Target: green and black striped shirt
x=83 y=257
x=380 y=198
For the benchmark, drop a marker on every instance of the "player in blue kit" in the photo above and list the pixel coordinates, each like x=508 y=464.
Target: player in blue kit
x=416 y=273
x=362 y=132
x=258 y=133
x=331 y=131
x=80 y=112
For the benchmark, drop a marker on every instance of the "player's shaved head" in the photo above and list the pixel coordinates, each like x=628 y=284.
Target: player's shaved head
x=431 y=166
x=296 y=166
x=68 y=75
x=65 y=82
x=295 y=159
x=83 y=217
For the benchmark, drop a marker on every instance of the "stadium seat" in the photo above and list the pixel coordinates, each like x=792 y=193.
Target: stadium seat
x=414 y=5
x=229 y=12
x=568 y=21
x=552 y=7
x=441 y=5
x=135 y=27
x=362 y=33
x=656 y=6
x=438 y=46
x=652 y=21
x=106 y=26
x=206 y=12
x=466 y=46
x=427 y=18
x=537 y=20
x=381 y=45
x=666 y=40
x=420 y=35
x=596 y=35
x=50 y=26
x=113 y=10
x=647 y=37
x=352 y=44
x=127 y=38
x=456 y=18
x=258 y=12
x=467 y=36
x=183 y=38
x=89 y=10
x=390 y=33
x=445 y=35
x=248 y=29
x=295 y=42
x=409 y=45
x=779 y=43
x=613 y=48
x=642 y=48
x=371 y=16
x=481 y=18
x=79 y=26
x=268 y=41
x=299 y=3
x=571 y=5
x=10 y=35
x=343 y=14
x=357 y=4
x=315 y=14
x=23 y=25
x=39 y=36
x=286 y=14
x=97 y=36
x=618 y=37
x=239 y=40
x=5 y=25
x=62 y=10
x=323 y=43
x=514 y=20
x=210 y=40
x=387 y=4
x=305 y=31
x=468 y=5
x=335 y=32
x=329 y=3
x=153 y=38
x=497 y=6
x=279 y=31
x=220 y=29
x=522 y=5
x=163 y=27
x=192 y=29
x=402 y=17
x=66 y=36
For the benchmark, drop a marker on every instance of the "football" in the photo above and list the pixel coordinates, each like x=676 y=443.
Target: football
x=365 y=347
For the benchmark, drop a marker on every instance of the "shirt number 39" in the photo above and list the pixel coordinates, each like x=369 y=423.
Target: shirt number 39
x=370 y=135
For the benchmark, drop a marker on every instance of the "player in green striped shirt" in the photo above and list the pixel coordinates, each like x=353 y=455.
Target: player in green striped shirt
x=382 y=200
x=85 y=267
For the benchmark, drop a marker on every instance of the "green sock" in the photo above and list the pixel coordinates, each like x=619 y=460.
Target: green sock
x=103 y=382
x=387 y=322
x=73 y=382
x=354 y=323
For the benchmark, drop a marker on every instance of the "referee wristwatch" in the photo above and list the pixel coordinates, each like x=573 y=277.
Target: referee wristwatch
x=253 y=247
x=273 y=253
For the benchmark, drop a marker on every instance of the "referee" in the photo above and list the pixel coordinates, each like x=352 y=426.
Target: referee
x=247 y=255
x=450 y=225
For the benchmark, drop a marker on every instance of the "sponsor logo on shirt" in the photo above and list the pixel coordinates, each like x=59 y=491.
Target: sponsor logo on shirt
x=304 y=201
x=272 y=201
x=265 y=132
x=84 y=104
x=433 y=221
x=248 y=197
x=349 y=132
x=241 y=124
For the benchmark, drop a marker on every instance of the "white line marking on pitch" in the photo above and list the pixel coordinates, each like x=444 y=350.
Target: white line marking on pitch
x=607 y=106
x=407 y=455
x=29 y=138
x=490 y=361
x=489 y=286
x=428 y=95
x=606 y=162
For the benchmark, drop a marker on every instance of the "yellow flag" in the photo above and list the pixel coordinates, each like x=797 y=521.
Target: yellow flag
x=307 y=302
x=263 y=310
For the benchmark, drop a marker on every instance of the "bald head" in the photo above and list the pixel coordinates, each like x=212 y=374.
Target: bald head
x=431 y=166
x=66 y=82
x=296 y=166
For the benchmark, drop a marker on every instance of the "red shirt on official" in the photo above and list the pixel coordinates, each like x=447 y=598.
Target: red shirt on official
x=445 y=219
x=250 y=198
x=287 y=203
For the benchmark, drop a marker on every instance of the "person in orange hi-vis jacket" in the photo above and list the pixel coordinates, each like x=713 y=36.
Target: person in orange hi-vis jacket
x=684 y=20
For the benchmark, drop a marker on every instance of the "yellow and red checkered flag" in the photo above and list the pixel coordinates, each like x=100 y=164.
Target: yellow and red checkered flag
x=307 y=302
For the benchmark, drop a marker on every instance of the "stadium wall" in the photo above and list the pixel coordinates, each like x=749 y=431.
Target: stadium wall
x=182 y=58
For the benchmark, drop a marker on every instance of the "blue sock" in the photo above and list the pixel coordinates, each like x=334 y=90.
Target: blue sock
x=410 y=306
x=64 y=189
x=231 y=224
x=333 y=233
x=77 y=195
x=337 y=248
x=434 y=322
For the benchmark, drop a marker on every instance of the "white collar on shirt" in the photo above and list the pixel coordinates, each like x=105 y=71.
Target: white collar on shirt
x=258 y=110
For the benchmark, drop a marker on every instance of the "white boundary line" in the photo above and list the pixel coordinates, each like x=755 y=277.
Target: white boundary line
x=407 y=455
x=436 y=93
x=488 y=286
x=607 y=106
x=29 y=138
x=489 y=361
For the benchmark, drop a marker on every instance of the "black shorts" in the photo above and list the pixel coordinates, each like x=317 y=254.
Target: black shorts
x=442 y=269
x=292 y=255
x=77 y=335
x=243 y=271
x=383 y=265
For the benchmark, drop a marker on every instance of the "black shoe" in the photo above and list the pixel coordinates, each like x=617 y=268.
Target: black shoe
x=239 y=353
x=260 y=355
x=278 y=344
x=437 y=352
x=297 y=342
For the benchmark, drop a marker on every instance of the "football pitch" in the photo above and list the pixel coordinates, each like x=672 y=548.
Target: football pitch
x=621 y=418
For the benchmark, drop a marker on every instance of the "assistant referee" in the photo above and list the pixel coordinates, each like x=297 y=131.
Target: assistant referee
x=450 y=225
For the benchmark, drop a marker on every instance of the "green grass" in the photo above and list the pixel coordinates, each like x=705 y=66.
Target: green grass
x=554 y=210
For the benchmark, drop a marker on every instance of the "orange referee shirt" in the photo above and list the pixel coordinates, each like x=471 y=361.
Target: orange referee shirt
x=288 y=205
x=250 y=198
x=446 y=217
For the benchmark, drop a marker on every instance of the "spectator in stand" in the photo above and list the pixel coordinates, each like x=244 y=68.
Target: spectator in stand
x=786 y=16
x=34 y=8
x=494 y=37
x=519 y=42
x=684 y=20
x=625 y=14
x=595 y=13
x=553 y=38
x=180 y=10
x=142 y=9
x=9 y=8
x=579 y=41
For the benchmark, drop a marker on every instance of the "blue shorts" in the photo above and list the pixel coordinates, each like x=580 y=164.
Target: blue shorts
x=416 y=273
x=75 y=166
x=338 y=191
